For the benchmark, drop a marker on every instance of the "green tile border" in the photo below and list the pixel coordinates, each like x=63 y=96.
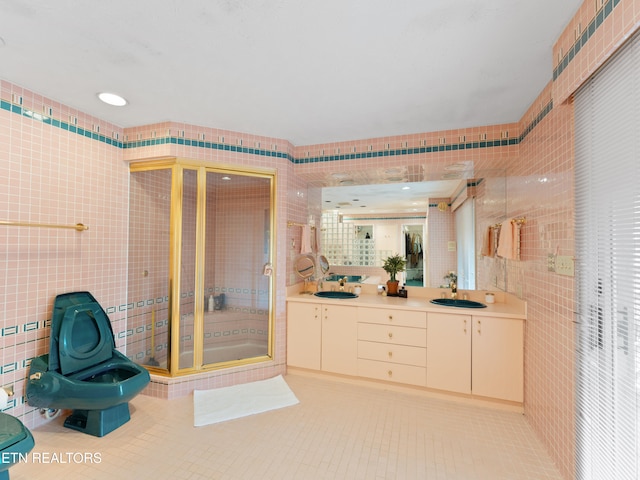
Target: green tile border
x=19 y=110
x=588 y=32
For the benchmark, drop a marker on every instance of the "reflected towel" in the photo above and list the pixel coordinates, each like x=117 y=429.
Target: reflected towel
x=509 y=241
x=318 y=243
x=488 y=243
x=305 y=243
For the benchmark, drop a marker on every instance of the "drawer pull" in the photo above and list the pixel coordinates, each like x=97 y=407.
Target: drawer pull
x=390 y=373
x=390 y=335
x=390 y=317
x=390 y=354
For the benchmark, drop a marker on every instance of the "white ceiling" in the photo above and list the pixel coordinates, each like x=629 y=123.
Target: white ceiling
x=306 y=71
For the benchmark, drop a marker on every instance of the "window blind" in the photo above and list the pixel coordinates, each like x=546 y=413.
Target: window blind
x=607 y=201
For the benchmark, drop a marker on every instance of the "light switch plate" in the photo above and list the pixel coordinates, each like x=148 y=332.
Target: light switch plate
x=565 y=265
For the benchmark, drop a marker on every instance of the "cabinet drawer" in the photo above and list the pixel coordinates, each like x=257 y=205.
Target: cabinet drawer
x=372 y=332
x=391 y=353
x=405 y=318
x=392 y=372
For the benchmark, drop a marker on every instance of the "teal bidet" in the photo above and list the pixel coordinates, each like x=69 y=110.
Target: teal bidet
x=16 y=442
x=83 y=371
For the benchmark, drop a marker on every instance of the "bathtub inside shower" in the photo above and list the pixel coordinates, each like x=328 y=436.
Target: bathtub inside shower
x=229 y=335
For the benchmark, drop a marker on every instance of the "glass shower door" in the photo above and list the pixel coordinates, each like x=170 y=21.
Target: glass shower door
x=237 y=244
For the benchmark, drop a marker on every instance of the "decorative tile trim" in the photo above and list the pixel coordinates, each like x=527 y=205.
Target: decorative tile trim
x=12 y=330
x=588 y=32
x=47 y=120
x=178 y=140
x=408 y=151
x=534 y=123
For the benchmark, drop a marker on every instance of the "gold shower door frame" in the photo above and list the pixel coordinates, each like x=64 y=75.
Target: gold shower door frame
x=178 y=166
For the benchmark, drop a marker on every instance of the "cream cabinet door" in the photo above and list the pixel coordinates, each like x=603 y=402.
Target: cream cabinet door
x=497 y=358
x=304 y=335
x=449 y=352
x=339 y=339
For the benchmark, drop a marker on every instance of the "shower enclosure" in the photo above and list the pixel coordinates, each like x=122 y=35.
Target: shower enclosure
x=200 y=254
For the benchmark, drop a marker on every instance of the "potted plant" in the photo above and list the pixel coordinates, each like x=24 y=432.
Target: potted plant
x=392 y=265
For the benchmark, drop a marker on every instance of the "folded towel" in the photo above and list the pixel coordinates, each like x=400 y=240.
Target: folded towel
x=305 y=243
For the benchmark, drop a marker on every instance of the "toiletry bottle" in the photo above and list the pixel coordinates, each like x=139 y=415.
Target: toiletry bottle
x=211 y=304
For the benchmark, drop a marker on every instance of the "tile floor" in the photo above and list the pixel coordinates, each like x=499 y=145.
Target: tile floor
x=339 y=430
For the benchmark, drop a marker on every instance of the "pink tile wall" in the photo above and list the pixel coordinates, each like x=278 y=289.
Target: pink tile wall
x=540 y=187
x=51 y=175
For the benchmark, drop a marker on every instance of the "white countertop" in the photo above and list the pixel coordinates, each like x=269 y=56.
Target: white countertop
x=506 y=306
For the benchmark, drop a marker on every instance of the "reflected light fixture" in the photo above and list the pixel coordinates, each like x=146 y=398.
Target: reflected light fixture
x=112 y=99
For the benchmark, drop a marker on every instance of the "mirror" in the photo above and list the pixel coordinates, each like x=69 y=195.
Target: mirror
x=385 y=210
x=323 y=263
x=364 y=232
x=304 y=266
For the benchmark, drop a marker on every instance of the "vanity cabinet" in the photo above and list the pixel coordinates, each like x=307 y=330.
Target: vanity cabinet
x=392 y=345
x=322 y=337
x=454 y=352
x=339 y=347
x=304 y=335
x=498 y=358
x=449 y=352
x=478 y=355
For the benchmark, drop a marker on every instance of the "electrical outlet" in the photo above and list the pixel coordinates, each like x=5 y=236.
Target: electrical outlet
x=565 y=265
x=551 y=262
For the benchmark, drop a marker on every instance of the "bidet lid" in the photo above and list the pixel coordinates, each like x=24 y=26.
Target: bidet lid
x=81 y=334
x=12 y=431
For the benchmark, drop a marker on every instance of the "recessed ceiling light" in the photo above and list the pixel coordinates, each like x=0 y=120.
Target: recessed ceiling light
x=112 y=99
x=406 y=188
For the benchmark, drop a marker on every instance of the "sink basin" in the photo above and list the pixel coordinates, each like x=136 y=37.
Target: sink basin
x=455 y=302
x=335 y=295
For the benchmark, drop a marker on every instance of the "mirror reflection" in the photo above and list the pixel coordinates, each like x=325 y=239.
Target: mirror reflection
x=437 y=225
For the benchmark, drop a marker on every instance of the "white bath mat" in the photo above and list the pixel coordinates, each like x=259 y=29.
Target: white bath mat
x=227 y=403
